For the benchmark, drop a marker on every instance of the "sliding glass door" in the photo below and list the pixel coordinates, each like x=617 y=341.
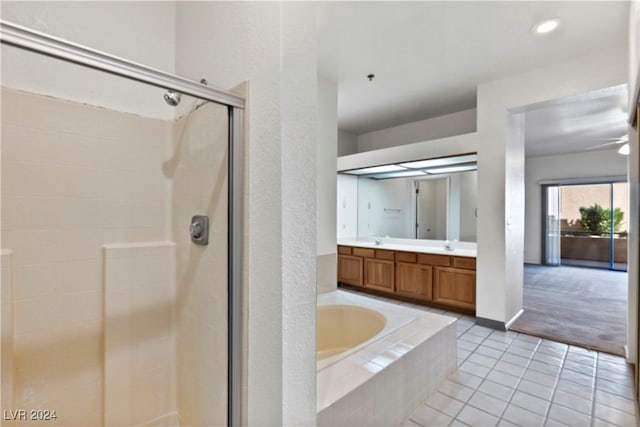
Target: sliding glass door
x=551 y=226
x=586 y=225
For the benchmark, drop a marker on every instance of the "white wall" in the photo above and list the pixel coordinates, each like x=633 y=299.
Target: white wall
x=434 y=128
x=468 y=205
x=441 y=214
x=514 y=215
x=347 y=143
x=347 y=206
x=453 y=223
x=588 y=164
x=299 y=86
x=326 y=165
x=450 y=146
x=326 y=191
x=142 y=32
x=495 y=99
x=272 y=46
x=394 y=195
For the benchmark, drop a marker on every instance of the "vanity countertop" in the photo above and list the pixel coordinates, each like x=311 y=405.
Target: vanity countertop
x=425 y=249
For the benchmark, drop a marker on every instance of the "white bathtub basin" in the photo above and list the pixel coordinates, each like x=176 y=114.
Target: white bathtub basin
x=341 y=327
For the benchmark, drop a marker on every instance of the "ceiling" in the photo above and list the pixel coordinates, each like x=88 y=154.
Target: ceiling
x=428 y=57
x=591 y=121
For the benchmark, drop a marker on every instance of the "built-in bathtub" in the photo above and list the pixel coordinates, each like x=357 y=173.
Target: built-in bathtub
x=343 y=329
x=393 y=358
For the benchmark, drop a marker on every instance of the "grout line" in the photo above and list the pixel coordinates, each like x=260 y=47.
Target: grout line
x=520 y=379
x=555 y=384
x=593 y=398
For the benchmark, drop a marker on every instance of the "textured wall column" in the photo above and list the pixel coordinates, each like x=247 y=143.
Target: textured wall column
x=299 y=116
x=326 y=187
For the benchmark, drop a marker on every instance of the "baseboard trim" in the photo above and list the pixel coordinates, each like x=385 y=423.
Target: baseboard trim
x=490 y=323
x=496 y=324
x=514 y=318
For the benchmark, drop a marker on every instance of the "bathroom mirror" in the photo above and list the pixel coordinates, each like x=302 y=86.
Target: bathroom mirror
x=438 y=205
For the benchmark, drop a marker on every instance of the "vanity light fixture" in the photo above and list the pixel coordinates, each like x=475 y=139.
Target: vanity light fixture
x=460 y=163
x=452 y=169
x=402 y=174
x=546 y=26
x=445 y=161
x=376 y=169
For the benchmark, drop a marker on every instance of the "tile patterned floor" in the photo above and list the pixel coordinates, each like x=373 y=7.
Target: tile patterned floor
x=511 y=379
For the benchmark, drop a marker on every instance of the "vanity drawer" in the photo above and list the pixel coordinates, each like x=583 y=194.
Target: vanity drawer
x=464 y=262
x=365 y=252
x=406 y=257
x=383 y=254
x=429 y=259
x=344 y=250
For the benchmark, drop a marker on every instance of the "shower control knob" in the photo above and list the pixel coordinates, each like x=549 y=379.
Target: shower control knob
x=199 y=229
x=196 y=230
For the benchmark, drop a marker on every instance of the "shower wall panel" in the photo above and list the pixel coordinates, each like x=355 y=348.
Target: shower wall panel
x=6 y=329
x=74 y=177
x=199 y=170
x=140 y=341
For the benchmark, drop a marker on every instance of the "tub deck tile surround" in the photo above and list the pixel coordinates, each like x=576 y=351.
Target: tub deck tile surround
x=383 y=382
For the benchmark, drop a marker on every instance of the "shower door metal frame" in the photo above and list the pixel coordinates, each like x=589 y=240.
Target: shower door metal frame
x=45 y=44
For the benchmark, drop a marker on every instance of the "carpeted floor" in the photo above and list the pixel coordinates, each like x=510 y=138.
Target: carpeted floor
x=580 y=306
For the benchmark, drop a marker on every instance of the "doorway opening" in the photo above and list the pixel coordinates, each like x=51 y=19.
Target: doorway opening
x=575 y=283
x=431 y=208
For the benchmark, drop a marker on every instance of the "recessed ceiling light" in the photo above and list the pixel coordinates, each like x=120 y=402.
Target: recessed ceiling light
x=546 y=26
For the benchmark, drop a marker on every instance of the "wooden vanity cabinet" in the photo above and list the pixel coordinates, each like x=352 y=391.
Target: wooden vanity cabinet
x=379 y=270
x=379 y=274
x=442 y=280
x=455 y=287
x=414 y=280
x=349 y=267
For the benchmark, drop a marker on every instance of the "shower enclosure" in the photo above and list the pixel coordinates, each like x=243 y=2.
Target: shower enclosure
x=115 y=310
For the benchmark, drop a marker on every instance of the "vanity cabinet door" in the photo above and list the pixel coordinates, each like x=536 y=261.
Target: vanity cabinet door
x=414 y=280
x=379 y=274
x=455 y=287
x=350 y=270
